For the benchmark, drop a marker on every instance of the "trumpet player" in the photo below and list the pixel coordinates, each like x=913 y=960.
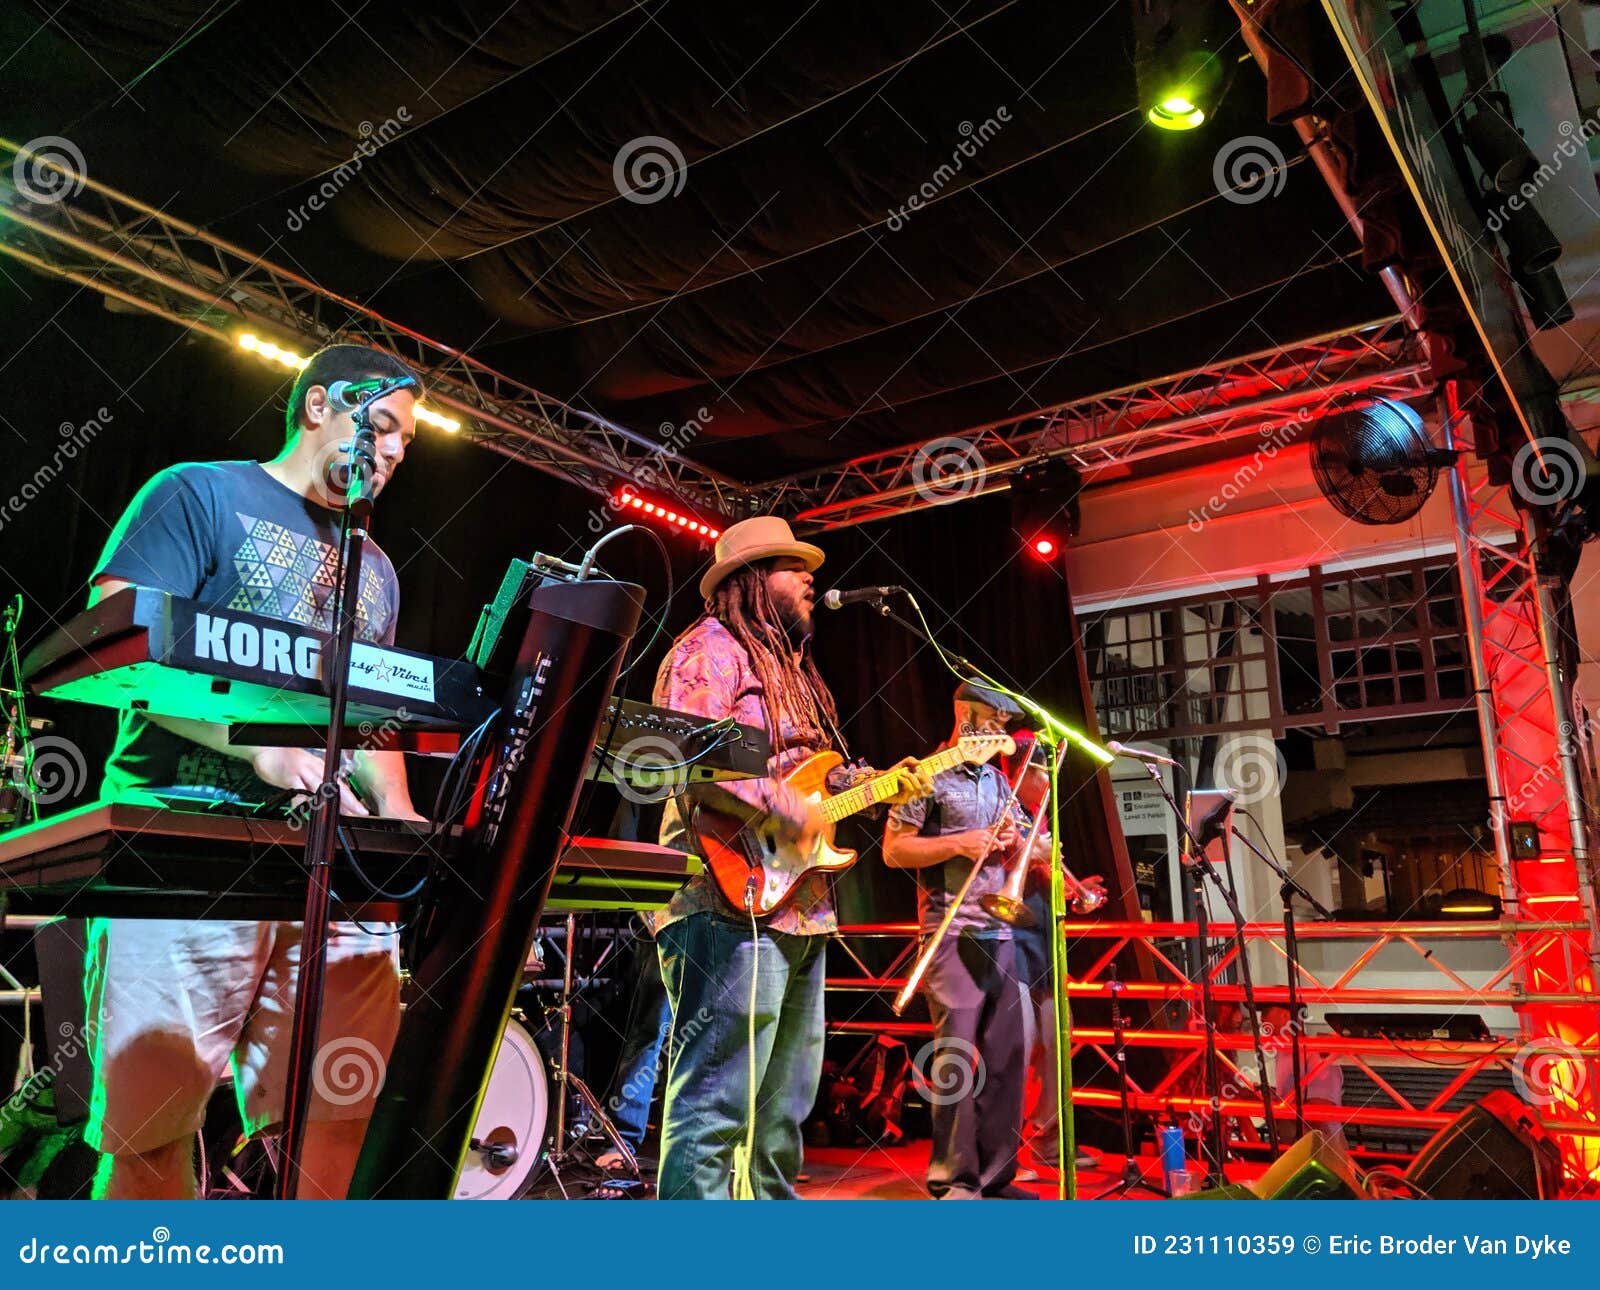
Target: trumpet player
x=973 y=983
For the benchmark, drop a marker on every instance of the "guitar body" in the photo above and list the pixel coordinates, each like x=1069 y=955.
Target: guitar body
x=737 y=852
x=756 y=870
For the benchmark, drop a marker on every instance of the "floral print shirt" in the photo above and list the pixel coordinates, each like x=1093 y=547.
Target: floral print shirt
x=708 y=672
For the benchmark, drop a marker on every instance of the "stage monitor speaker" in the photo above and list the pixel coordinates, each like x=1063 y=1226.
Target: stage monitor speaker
x=1497 y=1149
x=59 y=946
x=1317 y=1167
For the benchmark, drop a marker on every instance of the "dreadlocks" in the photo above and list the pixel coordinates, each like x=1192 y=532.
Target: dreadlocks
x=789 y=683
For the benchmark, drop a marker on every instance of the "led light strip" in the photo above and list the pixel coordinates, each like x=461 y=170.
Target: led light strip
x=288 y=358
x=667 y=515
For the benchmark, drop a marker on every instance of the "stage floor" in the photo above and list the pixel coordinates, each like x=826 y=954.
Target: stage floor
x=897 y=1173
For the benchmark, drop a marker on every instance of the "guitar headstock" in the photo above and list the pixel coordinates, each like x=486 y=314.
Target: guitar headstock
x=978 y=749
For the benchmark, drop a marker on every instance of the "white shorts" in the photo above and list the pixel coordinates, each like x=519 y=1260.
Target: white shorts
x=170 y=1003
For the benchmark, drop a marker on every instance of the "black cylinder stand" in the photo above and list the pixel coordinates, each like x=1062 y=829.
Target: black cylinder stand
x=489 y=902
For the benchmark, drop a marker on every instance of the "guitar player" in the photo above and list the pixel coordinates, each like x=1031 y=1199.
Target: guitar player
x=171 y=1002
x=974 y=987
x=749 y=658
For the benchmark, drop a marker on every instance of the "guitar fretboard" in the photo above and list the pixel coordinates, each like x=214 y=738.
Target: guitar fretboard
x=879 y=787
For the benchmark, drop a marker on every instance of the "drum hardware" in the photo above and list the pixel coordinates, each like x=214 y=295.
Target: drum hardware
x=561 y=1150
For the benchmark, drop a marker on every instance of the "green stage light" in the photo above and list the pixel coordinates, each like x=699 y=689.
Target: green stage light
x=1175 y=112
x=1179 y=64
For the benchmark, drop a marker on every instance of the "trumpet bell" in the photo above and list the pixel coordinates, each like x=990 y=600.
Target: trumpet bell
x=1008 y=909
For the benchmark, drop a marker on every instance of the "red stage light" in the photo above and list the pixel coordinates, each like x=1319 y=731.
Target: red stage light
x=1044 y=548
x=631 y=500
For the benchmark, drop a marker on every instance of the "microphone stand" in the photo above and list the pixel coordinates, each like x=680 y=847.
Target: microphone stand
x=323 y=828
x=1132 y=1176
x=1291 y=945
x=1200 y=867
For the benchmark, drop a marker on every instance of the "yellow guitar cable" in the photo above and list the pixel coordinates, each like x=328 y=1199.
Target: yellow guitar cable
x=744 y=1156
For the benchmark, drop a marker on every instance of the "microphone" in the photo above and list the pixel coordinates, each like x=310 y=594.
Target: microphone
x=1143 y=754
x=350 y=395
x=837 y=599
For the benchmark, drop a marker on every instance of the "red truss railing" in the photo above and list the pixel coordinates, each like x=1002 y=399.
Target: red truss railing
x=1544 y=1068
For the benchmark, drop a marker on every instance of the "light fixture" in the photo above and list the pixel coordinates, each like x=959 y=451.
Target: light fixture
x=628 y=500
x=1468 y=902
x=1176 y=112
x=1545 y=298
x=1178 y=61
x=1495 y=142
x=1530 y=245
x=1044 y=507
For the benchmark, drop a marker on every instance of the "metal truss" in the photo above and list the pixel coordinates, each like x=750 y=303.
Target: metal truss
x=68 y=226
x=1528 y=727
x=74 y=228
x=1249 y=397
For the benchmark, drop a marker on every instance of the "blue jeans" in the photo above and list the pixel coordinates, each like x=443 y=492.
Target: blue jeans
x=649 y=1020
x=705 y=963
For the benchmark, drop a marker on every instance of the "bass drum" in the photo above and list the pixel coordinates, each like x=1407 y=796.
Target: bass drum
x=513 y=1119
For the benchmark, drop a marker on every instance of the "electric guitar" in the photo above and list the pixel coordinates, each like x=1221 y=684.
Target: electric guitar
x=758 y=871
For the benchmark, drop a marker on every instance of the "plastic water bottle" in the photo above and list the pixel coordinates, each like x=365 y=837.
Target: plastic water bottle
x=1169 y=1139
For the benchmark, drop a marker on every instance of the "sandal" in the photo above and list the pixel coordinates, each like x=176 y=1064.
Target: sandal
x=620 y=1189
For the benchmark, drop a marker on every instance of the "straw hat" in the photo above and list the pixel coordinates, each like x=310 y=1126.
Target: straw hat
x=761 y=538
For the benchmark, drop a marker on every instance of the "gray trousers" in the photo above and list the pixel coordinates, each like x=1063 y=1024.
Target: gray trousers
x=977 y=1067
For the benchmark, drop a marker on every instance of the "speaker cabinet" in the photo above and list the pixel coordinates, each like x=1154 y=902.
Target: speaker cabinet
x=1497 y=1149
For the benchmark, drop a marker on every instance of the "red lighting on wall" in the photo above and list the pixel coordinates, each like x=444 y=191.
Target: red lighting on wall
x=631 y=501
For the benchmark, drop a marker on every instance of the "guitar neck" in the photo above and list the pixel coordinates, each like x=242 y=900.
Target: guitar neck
x=872 y=791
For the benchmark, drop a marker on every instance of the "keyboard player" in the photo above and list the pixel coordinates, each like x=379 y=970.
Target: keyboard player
x=171 y=1003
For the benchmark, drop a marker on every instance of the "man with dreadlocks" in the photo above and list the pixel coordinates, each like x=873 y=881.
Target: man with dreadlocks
x=749 y=658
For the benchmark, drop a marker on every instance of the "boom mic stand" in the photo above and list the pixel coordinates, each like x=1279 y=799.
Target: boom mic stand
x=322 y=830
x=1291 y=945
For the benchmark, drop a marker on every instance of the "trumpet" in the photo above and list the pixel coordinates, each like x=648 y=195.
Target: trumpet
x=1009 y=904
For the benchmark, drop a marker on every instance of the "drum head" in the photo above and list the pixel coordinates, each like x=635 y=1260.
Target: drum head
x=515 y=1111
